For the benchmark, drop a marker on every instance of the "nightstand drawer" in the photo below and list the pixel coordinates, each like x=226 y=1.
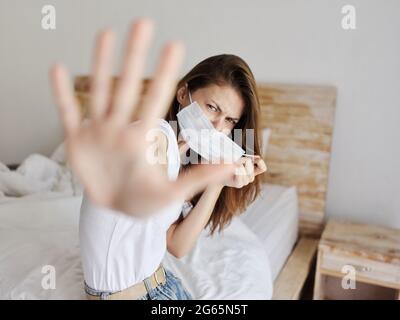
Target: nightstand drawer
x=367 y=270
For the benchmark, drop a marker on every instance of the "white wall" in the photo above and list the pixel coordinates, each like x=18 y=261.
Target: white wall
x=282 y=40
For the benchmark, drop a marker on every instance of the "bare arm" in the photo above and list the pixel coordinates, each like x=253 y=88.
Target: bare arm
x=182 y=236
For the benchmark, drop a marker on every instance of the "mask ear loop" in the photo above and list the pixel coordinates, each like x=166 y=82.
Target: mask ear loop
x=190 y=99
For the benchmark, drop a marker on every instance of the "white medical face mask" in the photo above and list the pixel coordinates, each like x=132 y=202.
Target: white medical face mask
x=203 y=138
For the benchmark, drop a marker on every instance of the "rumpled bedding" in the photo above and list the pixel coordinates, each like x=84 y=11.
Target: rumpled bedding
x=39 y=216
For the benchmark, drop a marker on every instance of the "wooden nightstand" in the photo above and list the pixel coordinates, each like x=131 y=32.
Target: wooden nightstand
x=370 y=253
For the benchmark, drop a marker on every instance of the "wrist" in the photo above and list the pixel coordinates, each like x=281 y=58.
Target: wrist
x=215 y=188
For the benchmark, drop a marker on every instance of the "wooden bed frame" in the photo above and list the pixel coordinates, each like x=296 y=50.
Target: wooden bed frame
x=301 y=119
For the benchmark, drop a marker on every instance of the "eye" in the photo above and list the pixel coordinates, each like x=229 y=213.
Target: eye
x=232 y=121
x=212 y=108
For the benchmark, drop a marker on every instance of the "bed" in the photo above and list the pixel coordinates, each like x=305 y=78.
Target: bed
x=266 y=253
x=36 y=233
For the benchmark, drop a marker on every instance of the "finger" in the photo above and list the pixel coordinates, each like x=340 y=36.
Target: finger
x=199 y=177
x=239 y=180
x=249 y=167
x=68 y=106
x=240 y=174
x=162 y=87
x=242 y=160
x=101 y=84
x=244 y=177
x=130 y=83
x=260 y=166
x=240 y=167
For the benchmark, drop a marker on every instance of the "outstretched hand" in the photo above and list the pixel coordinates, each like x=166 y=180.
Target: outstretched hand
x=108 y=155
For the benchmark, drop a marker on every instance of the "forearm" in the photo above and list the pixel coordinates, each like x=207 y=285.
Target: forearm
x=188 y=230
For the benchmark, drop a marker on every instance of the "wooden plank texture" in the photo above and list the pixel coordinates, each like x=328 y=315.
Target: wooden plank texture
x=301 y=119
x=373 y=242
x=293 y=275
x=372 y=251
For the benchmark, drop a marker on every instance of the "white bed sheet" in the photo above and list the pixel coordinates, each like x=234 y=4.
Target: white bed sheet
x=41 y=228
x=274 y=218
x=35 y=233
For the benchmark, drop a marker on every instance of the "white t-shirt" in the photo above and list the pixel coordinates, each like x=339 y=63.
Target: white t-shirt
x=118 y=250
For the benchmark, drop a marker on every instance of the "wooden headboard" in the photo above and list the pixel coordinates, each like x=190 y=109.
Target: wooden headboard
x=301 y=119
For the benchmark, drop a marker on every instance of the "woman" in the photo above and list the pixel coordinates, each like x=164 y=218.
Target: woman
x=121 y=254
x=225 y=89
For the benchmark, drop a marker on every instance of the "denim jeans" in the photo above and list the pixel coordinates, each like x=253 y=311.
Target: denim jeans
x=172 y=289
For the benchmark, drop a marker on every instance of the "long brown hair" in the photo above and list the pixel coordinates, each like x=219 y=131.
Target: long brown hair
x=227 y=69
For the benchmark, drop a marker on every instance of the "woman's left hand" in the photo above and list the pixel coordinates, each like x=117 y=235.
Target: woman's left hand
x=246 y=171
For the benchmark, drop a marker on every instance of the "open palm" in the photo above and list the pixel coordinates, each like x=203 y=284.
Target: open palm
x=109 y=155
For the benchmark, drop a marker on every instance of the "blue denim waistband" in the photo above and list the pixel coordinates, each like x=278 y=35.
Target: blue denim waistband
x=103 y=294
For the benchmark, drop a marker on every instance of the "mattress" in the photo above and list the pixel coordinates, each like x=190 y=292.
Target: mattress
x=40 y=257
x=274 y=218
x=39 y=240
x=39 y=216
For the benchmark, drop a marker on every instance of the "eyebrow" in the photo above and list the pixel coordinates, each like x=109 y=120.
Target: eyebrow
x=237 y=119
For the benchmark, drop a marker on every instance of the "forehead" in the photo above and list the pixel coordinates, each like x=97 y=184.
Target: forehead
x=226 y=97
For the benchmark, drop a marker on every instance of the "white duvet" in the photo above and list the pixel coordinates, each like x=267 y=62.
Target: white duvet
x=39 y=215
x=36 y=234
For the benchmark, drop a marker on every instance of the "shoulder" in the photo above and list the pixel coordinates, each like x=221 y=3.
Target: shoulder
x=166 y=128
x=166 y=144
x=163 y=135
